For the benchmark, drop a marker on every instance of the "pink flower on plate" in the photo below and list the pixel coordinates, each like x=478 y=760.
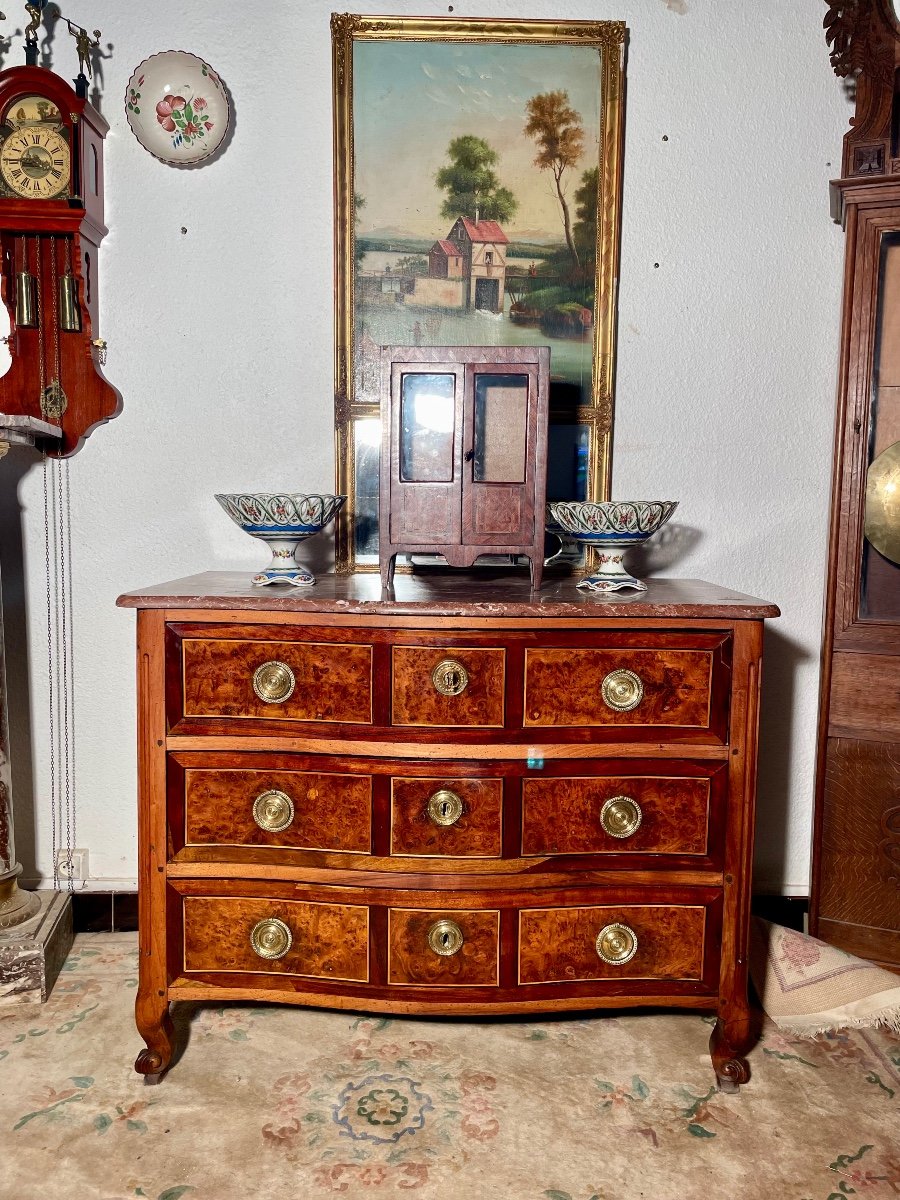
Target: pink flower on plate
x=208 y=124
x=190 y=129
x=176 y=101
x=199 y=104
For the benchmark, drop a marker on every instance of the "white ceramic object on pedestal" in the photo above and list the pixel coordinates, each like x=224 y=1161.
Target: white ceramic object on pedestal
x=612 y=526
x=177 y=107
x=283 y=520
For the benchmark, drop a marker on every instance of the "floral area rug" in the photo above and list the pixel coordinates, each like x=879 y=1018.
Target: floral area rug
x=276 y=1103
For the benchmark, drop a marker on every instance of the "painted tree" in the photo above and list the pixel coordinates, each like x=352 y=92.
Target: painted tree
x=471 y=183
x=584 y=231
x=556 y=127
x=359 y=203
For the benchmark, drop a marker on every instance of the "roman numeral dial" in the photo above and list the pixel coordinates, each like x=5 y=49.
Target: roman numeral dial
x=35 y=162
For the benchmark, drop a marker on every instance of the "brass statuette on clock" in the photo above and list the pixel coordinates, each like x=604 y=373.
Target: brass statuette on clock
x=51 y=227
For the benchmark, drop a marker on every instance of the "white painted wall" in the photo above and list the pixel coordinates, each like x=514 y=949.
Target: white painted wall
x=220 y=342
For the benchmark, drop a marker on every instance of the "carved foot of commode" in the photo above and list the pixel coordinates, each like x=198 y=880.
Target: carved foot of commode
x=160 y=1039
x=727 y=1045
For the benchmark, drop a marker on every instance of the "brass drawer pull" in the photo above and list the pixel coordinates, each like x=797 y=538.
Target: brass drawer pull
x=445 y=938
x=622 y=690
x=450 y=677
x=273 y=810
x=271 y=938
x=274 y=682
x=617 y=944
x=444 y=807
x=621 y=816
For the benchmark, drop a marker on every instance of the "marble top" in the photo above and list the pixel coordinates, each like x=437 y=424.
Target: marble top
x=450 y=594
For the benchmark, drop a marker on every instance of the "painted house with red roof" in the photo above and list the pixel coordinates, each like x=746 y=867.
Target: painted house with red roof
x=445 y=260
x=474 y=253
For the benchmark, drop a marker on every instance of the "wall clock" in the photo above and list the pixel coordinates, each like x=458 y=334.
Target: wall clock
x=51 y=227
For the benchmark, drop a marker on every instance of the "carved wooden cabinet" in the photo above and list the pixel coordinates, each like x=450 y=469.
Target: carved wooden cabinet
x=461 y=800
x=464 y=460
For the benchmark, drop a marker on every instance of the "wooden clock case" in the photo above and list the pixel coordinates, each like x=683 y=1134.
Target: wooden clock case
x=855 y=895
x=61 y=233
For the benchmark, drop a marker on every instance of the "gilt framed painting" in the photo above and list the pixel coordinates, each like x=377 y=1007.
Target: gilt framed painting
x=477 y=203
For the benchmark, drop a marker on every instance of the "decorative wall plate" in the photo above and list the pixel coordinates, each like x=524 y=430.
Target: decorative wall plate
x=177 y=107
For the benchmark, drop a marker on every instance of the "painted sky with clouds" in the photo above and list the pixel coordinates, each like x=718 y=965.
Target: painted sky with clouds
x=411 y=98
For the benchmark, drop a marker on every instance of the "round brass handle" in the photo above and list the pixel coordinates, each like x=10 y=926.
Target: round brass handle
x=444 y=807
x=621 y=816
x=273 y=810
x=450 y=677
x=622 y=690
x=274 y=682
x=445 y=938
x=270 y=938
x=617 y=944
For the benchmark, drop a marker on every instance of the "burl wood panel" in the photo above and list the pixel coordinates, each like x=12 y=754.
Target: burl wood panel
x=562 y=816
x=476 y=833
x=557 y=945
x=562 y=687
x=860 y=847
x=331 y=812
x=416 y=701
x=330 y=941
x=333 y=682
x=865 y=694
x=412 y=961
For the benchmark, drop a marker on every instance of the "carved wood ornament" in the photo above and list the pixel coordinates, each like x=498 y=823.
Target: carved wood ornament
x=864 y=38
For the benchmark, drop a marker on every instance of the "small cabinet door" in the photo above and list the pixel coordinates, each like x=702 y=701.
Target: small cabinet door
x=426 y=452
x=499 y=430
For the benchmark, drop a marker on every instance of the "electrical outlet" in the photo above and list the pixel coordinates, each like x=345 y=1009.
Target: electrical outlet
x=71 y=867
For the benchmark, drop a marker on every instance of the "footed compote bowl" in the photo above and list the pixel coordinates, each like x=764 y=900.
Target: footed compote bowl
x=283 y=520
x=611 y=526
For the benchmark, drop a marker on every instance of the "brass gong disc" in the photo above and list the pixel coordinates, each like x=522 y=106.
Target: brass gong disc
x=883 y=503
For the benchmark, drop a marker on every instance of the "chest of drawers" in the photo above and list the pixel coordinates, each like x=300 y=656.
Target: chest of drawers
x=464 y=800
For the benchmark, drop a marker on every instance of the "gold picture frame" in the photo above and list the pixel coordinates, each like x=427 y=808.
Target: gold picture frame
x=378 y=65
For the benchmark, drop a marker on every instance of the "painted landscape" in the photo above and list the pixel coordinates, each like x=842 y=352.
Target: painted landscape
x=475 y=190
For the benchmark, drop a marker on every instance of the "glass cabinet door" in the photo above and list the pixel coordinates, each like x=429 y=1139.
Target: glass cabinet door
x=879 y=598
x=500 y=432
x=427 y=427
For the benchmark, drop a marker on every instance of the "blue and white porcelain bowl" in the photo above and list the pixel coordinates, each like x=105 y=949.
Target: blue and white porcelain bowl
x=283 y=520
x=611 y=526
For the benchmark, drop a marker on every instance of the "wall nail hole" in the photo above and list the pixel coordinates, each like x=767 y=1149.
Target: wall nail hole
x=184 y=229
x=665 y=137
x=655 y=266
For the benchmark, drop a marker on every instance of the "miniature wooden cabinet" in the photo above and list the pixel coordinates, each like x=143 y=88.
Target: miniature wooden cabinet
x=464 y=453
x=569 y=825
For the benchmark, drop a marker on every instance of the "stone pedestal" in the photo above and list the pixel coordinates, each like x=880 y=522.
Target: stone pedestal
x=32 y=954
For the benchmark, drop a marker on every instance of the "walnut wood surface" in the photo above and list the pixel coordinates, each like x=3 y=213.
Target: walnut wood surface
x=562 y=687
x=562 y=816
x=331 y=812
x=476 y=833
x=865 y=696
x=412 y=961
x=329 y=940
x=334 y=683
x=416 y=701
x=557 y=945
x=464 y=594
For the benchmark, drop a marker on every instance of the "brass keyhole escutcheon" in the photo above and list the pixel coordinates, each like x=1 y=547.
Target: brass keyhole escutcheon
x=273 y=810
x=622 y=690
x=445 y=807
x=274 y=682
x=621 y=816
x=445 y=938
x=271 y=938
x=450 y=677
x=617 y=944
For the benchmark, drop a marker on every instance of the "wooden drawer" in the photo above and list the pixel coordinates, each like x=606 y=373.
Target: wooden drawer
x=413 y=960
x=417 y=700
x=446 y=818
x=332 y=682
x=327 y=941
x=560 y=945
x=295 y=809
x=628 y=814
x=661 y=686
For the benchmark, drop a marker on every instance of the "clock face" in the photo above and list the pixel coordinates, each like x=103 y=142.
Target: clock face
x=34 y=157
